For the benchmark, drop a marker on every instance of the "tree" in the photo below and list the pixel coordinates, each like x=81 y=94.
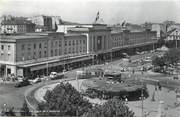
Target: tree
x=158 y=61
x=172 y=56
x=64 y=100
x=25 y=110
x=112 y=108
x=161 y=42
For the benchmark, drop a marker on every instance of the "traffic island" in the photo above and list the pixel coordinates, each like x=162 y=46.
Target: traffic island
x=107 y=89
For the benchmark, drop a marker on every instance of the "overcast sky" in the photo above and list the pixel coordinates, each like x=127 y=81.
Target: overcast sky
x=84 y=11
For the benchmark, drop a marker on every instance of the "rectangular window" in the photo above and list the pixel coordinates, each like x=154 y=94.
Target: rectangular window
x=80 y=49
x=45 y=45
x=39 y=54
x=65 y=43
x=45 y=54
x=55 y=52
x=56 y=43
x=51 y=44
x=34 y=55
x=51 y=52
x=29 y=46
x=65 y=51
x=59 y=52
x=69 y=43
x=9 y=47
x=34 y=46
x=22 y=47
x=40 y=45
x=69 y=50
x=76 y=49
x=59 y=43
x=84 y=49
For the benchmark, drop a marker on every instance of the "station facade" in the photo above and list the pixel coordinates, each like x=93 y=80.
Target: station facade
x=34 y=54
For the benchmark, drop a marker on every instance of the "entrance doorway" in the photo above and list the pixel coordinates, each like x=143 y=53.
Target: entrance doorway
x=2 y=70
x=8 y=71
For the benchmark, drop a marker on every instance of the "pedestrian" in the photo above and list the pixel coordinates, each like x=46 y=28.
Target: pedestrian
x=133 y=71
x=159 y=87
x=153 y=97
x=126 y=100
x=155 y=88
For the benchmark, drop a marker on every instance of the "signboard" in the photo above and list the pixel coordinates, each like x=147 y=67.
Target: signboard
x=20 y=72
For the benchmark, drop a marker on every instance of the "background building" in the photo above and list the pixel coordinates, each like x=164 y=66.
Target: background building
x=55 y=21
x=43 y=23
x=173 y=34
x=16 y=25
x=33 y=54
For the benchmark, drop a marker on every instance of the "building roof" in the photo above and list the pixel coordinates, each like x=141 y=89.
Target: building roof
x=171 y=31
x=79 y=29
x=24 y=36
x=16 y=22
x=76 y=34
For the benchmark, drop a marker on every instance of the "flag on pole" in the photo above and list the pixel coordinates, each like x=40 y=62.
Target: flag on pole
x=97 y=16
x=123 y=24
x=60 y=21
x=56 y=27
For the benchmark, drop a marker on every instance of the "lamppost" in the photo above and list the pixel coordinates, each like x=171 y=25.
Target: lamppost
x=4 y=108
x=47 y=65
x=77 y=74
x=142 y=99
x=176 y=38
x=111 y=54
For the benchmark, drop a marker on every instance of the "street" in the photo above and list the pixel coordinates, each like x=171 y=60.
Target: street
x=14 y=96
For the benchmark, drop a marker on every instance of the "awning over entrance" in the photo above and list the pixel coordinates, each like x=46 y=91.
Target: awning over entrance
x=133 y=45
x=54 y=63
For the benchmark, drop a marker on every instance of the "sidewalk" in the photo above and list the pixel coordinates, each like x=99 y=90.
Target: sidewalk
x=7 y=82
x=151 y=107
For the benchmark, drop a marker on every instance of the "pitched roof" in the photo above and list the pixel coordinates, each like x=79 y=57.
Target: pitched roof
x=169 y=32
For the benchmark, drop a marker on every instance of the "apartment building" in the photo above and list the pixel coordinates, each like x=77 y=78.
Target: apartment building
x=15 y=25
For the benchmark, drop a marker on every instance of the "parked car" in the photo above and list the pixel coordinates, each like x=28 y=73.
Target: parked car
x=55 y=76
x=36 y=80
x=148 y=59
x=125 y=55
x=22 y=83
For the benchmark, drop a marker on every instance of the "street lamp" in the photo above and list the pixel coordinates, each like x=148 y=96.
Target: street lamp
x=77 y=74
x=4 y=109
x=142 y=99
x=47 y=65
x=176 y=38
x=111 y=54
